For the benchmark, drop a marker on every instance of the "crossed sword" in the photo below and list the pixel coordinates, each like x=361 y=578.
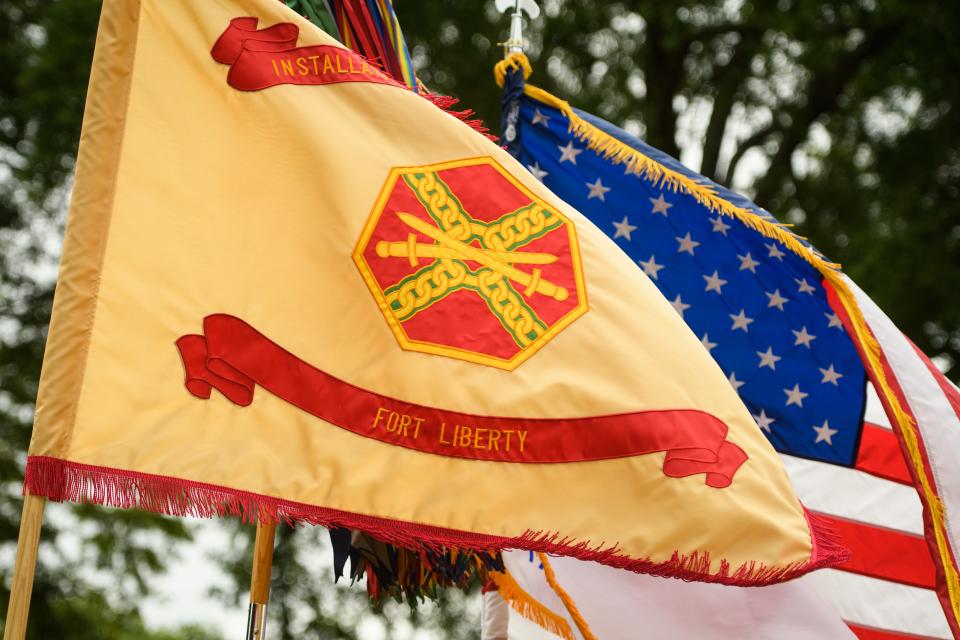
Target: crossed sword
x=499 y=261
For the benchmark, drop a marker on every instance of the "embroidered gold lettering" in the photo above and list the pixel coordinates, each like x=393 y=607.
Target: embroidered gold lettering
x=302 y=66
x=376 y=419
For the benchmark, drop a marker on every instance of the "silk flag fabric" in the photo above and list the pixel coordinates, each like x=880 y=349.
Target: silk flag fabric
x=865 y=425
x=292 y=288
x=565 y=598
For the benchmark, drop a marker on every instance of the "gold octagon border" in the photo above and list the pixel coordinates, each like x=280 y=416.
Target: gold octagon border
x=409 y=344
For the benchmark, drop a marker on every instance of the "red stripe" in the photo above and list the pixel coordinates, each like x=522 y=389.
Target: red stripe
x=872 y=633
x=880 y=455
x=941 y=584
x=884 y=553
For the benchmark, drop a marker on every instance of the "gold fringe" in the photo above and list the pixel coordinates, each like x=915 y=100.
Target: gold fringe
x=565 y=598
x=531 y=608
x=911 y=439
x=705 y=194
x=512 y=62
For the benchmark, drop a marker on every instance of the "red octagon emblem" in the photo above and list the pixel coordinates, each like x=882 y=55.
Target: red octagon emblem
x=465 y=262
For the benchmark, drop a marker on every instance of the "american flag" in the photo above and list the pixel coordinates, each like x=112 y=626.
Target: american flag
x=774 y=325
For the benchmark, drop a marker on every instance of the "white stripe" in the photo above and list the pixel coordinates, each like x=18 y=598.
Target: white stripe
x=882 y=604
x=620 y=605
x=875 y=412
x=852 y=494
x=937 y=422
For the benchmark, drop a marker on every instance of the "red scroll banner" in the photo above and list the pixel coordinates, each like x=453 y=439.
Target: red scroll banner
x=263 y=58
x=233 y=357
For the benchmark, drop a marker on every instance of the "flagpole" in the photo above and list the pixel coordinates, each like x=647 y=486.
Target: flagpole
x=18 y=609
x=260 y=580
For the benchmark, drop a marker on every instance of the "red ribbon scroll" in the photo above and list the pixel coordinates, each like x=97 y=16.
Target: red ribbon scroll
x=263 y=58
x=233 y=357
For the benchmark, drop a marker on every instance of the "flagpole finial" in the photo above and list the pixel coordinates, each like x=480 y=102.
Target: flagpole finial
x=514 y=43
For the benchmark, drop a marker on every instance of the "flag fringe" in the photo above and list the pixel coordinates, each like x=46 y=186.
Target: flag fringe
x=445 y=103
x=705 y=194
x=909 y=436
x=529 y=607
x=565 y=598
x=61 y=480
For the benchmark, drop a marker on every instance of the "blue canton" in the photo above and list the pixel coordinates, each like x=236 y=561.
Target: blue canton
x=760 y=309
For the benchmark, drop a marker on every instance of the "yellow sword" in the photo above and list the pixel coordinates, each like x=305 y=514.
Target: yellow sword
x=415 y=250
x=531 y=281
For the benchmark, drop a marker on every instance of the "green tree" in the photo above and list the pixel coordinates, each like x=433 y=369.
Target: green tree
x=839 y=116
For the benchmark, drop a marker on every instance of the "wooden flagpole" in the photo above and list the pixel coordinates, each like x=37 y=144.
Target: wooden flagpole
x=260 y=580
x=18 y=610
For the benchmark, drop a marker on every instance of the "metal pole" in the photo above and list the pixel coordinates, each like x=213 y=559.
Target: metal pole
x=18 y=610
x=260 y=580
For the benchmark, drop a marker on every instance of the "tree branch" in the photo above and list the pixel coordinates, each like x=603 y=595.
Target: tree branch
x=663 y=72
x=729 y=79
x=823 y=97
x=757 y=138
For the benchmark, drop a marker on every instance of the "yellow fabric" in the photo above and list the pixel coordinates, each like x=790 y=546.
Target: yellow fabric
x=250 y=203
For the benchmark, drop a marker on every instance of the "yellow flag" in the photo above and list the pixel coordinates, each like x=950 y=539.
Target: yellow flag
x=292 y=288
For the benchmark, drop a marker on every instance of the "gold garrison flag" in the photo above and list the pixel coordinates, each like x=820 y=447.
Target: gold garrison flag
x=292 y=288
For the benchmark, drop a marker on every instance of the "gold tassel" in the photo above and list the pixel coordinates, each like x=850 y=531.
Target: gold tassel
x=530 y=608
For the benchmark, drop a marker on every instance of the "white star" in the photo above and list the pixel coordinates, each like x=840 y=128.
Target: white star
x=776 y=300
x=795 y=396
x=764 y=421
x=768 y=359
x=539 y=117
x=803 y=337
x=734 y=382
x=650 y=267
x=824 y=433
x=660 y=205
x=834 y=321
x=687 y=245
x=740 y=321
x=714 y=282
x=747 y=262
x=804 y=286
x=705 y=341
x=774 y=251
x=537 y=172
x=679 y=305
x=624 y=229
x=569 y=152
x=597 y=190
x=830 y=375
x=719 y=226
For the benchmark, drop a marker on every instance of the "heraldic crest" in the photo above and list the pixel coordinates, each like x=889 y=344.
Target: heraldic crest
x=465 y=262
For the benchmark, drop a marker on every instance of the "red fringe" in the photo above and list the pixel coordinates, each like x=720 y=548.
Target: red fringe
x=61 y=480
x=447 y=102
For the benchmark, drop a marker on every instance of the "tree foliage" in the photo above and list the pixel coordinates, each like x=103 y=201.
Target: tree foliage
x=838 y=116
